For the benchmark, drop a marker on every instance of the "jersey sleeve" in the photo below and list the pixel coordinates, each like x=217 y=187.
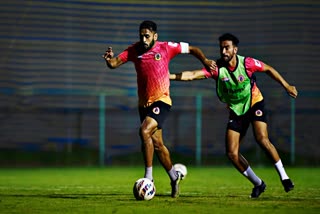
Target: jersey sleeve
x=253 y=65
x=212 y=74
x=175 y=48
x=125 y=55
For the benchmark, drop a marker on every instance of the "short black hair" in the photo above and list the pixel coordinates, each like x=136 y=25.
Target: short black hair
x=229 y=36
x=148 y=25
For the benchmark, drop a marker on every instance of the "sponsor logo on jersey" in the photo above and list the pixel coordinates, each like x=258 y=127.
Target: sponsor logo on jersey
x=225 y=79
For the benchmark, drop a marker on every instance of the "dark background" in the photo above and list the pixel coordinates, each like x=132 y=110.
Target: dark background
x=58 y=100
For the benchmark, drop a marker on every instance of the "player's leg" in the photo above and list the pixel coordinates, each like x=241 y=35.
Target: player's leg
x=236 y=130
x=262 y=138
x=146 y=130
x=260 y=130
x=161 y=150
x=158 y=111
x=163 y=154
x=261 y=135
x=232 y=150
x=237 y=159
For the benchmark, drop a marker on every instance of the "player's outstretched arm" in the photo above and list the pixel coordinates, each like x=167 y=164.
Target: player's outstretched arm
x=197 y=52
x=274 y=74
x=111 y=61
x=188 y=75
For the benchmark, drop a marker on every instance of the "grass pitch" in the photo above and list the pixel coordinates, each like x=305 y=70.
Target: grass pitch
x=109 y=190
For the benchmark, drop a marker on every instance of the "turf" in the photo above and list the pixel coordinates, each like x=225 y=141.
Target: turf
x=109 y=190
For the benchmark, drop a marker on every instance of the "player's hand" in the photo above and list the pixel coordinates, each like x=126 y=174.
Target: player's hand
x=108 y=54
x=292 y=91
x=211 y=64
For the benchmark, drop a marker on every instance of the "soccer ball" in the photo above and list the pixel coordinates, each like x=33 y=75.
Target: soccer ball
x=144 y=189
x=181 y=168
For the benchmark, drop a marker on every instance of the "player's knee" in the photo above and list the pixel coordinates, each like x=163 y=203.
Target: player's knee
x=158 y=145
x=145 y=133
x=261 y=137
x=263 y=141
x=232 y=156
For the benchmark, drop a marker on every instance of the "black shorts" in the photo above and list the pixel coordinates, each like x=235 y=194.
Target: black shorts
x=157 y=110
x=241 y=123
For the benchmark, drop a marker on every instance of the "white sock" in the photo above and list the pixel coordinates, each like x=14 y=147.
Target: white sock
x=252 y=177
x=280 y=169
x=172 y=174
x=148 y=173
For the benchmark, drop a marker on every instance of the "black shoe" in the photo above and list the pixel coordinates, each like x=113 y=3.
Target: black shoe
x=175 y=186
x=257 y=190
x=287 y=184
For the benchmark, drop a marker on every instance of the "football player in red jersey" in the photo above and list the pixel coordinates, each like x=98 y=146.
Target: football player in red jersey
x=151 y=59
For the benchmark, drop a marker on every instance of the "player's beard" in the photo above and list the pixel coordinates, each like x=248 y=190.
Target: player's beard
x=148 y=47
x=226 y=58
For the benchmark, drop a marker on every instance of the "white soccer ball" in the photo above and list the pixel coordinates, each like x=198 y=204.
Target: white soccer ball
x=144 y=189
x=181 y=168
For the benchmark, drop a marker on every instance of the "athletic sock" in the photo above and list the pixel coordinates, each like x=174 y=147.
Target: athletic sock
x=280 y=169
x=248 y=173
x=148 y=173
x=172 y=174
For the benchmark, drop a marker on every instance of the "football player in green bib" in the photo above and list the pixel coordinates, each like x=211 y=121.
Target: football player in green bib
x=236 y=86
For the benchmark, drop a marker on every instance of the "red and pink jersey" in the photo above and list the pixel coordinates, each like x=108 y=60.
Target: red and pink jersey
x=252 y=65
x=152 y=69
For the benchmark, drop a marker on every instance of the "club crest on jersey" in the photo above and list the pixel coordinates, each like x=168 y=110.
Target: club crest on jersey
x=156 y=110
x=259 y=113
x=240 y=78
x=157 y=56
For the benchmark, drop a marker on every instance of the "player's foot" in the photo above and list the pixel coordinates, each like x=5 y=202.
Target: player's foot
x=257 y=190
x=287 y=184
x=175 y=185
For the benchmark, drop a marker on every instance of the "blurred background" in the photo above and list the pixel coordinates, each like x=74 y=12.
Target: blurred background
x=61 y=106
